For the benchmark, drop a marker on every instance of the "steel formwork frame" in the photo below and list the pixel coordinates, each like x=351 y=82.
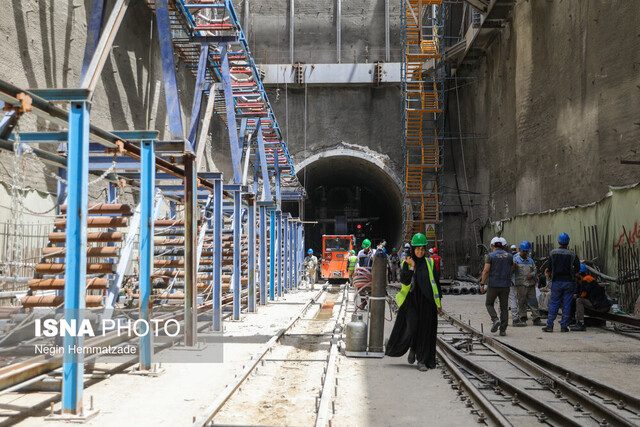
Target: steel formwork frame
x=215 y=55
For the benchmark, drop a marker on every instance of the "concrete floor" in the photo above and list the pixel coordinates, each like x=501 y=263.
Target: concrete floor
x=370 y=392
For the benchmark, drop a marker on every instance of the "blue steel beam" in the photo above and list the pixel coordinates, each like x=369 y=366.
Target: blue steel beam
x=147 y=195
x=272 y=254
x=266 y=185
x=296 y=252
x=291 y=252
x=285 y=245
x=217 y=255
x=279 y=249
x=190 y=143
x=169 y=70
x=277 y=180
x=252 y=255
x=76 y=255
x=263 y=254
x=237 y=253
x=93 y=34
x=236 y=155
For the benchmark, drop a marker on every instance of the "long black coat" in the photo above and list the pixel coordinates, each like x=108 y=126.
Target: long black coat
x=416 y=323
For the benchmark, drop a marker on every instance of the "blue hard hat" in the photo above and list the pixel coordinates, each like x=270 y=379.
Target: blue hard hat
x=583 y=268
x=525 y=245
x=563 y=239
x=310 y=251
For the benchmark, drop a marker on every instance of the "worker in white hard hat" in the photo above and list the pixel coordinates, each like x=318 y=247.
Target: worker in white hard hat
x=496 y=277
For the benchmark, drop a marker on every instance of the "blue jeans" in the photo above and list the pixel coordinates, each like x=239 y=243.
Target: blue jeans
x=561 y=293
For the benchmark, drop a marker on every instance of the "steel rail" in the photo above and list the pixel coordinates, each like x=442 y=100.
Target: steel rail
x=488 y=408
x=207 y=415
x=556 y=415
x=570 y=390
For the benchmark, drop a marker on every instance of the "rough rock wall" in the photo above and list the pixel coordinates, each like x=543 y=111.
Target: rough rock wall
x=558 y=98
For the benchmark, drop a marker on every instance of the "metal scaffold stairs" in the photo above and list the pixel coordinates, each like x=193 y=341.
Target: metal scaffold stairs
x=423 y=101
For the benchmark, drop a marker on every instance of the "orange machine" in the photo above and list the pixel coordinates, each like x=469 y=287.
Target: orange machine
x=335 y=255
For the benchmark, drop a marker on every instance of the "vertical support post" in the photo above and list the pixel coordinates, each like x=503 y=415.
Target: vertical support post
x=76 y=255
x=387 y=44
x=169 y=70
x=190 y=252
x=285 y=245
x=292 y=254
x=263 y=255
x=339 y=30
x=217 y=255
x=237 y=253
x=272 y=254
x=61 y=197
x=245 y=25
x=236 y=155
x=252 y=255
x=147 y=194
x=291 y=27
x=279 y=249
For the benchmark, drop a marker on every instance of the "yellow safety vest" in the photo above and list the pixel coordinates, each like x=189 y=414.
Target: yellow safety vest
x=402 y=295
x=353 y=260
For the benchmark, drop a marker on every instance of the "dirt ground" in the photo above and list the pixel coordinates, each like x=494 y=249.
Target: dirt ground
x=369 y=392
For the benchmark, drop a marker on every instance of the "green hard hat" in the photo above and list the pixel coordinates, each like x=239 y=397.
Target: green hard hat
x=394 y=249
x=366 y=243
x=419 y=239
x=353 y=252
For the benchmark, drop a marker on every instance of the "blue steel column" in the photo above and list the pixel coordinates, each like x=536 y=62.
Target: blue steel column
x=252 y=255
x=285 y=244
x=279 y=249
x=296 y=242
x=76 y=255
x=272 y=254
x=217 y=255
x=263 y=255
x=147 y=194
x=292 y=253
x=237 y=253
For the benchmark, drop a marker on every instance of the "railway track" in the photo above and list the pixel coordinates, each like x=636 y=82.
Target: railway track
x=289 y=382
x=512 y=387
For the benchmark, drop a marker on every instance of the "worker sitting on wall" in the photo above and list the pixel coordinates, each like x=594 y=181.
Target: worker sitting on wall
x=310 y=263
x=591 y=295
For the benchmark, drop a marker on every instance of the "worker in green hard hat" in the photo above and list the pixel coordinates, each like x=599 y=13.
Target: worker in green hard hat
x=416 y=324
x=351 y=265
x=365 y=256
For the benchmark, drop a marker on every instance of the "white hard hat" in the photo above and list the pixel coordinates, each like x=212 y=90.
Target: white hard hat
x=503 y=241
x=513 y=247
x=496 y=240
x=431 y=250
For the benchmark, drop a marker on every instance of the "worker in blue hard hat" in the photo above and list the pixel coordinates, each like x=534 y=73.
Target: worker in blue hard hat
x=563 y=266
x=590 y=295
x=526 y=279
x=311 y=264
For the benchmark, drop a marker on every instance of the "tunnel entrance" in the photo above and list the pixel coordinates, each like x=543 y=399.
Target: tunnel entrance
x=351 y=192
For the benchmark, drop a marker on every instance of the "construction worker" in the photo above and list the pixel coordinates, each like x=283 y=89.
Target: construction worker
x=416 y=324
x=394 y=266
x=311 y=262
x=365 y=255
x=351 y=265
x=513 y=297
x=563 y=266
x=591 y=295
x=437 y=262
x=526 y=280
x=498 y=267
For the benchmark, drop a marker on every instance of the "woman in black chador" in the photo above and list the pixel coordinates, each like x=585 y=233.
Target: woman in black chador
x=417 y=320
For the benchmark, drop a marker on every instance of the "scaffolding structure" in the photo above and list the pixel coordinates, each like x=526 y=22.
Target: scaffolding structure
x=423 y=82
x=231 y=245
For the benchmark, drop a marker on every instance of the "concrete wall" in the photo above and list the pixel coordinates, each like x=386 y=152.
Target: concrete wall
x=43 y=47
x=558 y=99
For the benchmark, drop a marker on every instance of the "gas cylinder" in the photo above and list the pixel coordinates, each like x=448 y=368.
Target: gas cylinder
x=356 y=334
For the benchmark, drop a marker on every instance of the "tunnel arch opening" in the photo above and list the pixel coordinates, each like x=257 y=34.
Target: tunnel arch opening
x=351 y=192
